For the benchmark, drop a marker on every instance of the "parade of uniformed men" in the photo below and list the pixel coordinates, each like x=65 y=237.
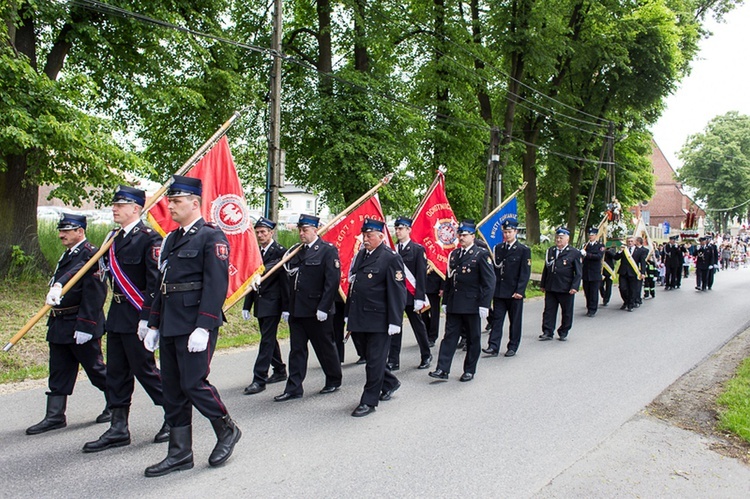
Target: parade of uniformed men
x=593 y=256
x=512 y=261
x=673 y=261
x=415 y=266
x=631 y=271
x=313 y=275
x=561 y=278
x=469 y=286
x=184 y=324
x=132 y=268
x=75 y=325
x=269 y=303
x=374 y=311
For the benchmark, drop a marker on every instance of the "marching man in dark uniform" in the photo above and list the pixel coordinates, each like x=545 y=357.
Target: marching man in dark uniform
x=75 y=325
x=375 y=310
x=468 y=295
x=561 y=279
x=593 y=254
x=608 y=274
x=673 y=260
x=704 y=259
x=184 y=323
x=271 y=302
x=314 y=274
x=415 y=263
x=512 y=272
x=132 y=264
x=714 y=265
x=631 y=272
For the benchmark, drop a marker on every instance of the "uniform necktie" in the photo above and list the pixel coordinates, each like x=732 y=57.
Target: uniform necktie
x=367 y=255
x=400 y=248
x=461 y=253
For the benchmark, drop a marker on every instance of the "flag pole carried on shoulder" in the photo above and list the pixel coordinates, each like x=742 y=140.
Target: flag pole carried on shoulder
x=502 y=205
x=364 y=197
x=150 y=202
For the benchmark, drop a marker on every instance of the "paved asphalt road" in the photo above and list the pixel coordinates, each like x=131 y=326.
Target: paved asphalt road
x=560 y=419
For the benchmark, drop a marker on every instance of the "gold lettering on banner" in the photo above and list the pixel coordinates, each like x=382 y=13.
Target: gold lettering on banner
x=437 y=207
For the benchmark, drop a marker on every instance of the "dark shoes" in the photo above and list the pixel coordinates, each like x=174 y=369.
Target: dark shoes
x=363 y=410
x=491 y=352
x=361 y=361
x=277 y=377
x=162 y=435
x=387 y=394
x=562 y=338
x=438 y=374
x=624 y=306
x=117 y=435
x=254 y=388
x=466 y=377
x=431 y=344
x=392 y=367
x=286 y=396
x=461 y=343
x=105 y=416
x=55 y=417
x=425 y=363
x=545 y=337
x=227 y=435
x=180 y=453
x=328 y=389
x=591 y=314
x=510 y=353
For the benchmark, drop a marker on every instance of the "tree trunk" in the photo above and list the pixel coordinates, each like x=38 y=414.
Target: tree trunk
x=325 y=54
x=442 y=95
x=533 y=230
x=575 y=175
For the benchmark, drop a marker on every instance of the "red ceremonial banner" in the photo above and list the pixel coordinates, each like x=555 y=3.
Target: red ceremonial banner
x=435 y=227
x=346 y=235
x=224 y=205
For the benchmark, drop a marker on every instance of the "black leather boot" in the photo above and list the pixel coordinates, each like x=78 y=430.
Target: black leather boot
x=180 y=453
x=105 y=416
x=163 y=434
x=55 y=417
x=117 y=435
x=227 y=435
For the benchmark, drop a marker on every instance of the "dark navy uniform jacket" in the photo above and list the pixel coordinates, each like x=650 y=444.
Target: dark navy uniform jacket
x=512 y=269
x=315 y=282
x=377 y=298
x=272 y=296
x=470 y=282
x=563 y=273
x=138 y=256
x=592 y=261
x=705 y=256
x=200 y=258
x=673 y=257
x=414 y=258
x=88 y=294
x=639 y=257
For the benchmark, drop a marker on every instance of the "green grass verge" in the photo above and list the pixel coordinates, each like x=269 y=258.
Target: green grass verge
x=734 y=415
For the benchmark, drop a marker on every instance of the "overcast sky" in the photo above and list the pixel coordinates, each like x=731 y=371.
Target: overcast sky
x=719 y=82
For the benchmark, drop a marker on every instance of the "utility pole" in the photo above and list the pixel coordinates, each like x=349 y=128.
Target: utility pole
x=273 y=178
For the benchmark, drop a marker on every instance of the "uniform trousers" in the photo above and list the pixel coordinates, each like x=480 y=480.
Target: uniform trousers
x=701 y=278
x=454 y=324
x=378 y=378
x=431 y=318
x=320 y=336
x=552 y=301
x=591 y=290
x=673 y=277
x=514 y=309
x=420 y=333
x=629 y=290
x=64 y=359
x=269 y=352
x=339 y=333
x=127 y=360
x=606 y=289
x=185 y=382
x=710 y=278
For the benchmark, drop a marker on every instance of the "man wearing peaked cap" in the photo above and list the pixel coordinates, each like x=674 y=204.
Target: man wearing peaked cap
x=75 y=325
x=593 y=256
x=561 y=279
x=374 y=311
x=512 y=262
x=415 y=268
x=314 y=276
x=673 y=261
x=270 y=302
x=184 y=324
x=132 y=268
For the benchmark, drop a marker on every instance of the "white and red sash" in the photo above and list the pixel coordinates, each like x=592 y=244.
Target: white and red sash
x=131 y=292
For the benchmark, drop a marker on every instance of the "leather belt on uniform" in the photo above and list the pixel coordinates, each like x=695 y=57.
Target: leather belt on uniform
x=119 y=297
x=167 y=288
x=56 y=312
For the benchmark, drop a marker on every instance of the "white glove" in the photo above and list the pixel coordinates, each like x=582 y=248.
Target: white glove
x=583 y=252
x=393 y=329
x=346 y=321
x=483 y=312
x=198 y=340
x=246 y=314
x=142 y=329
x=82 y=337
x=151 y=341
x=285 y=316
x=444 y=308
x=54 y=296
x=419 y=305
x=255 y=283
x=322 y=316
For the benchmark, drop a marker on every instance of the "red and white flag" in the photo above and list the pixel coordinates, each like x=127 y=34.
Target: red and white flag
x=346 y=235
x=435 y=226
x=224 y=205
